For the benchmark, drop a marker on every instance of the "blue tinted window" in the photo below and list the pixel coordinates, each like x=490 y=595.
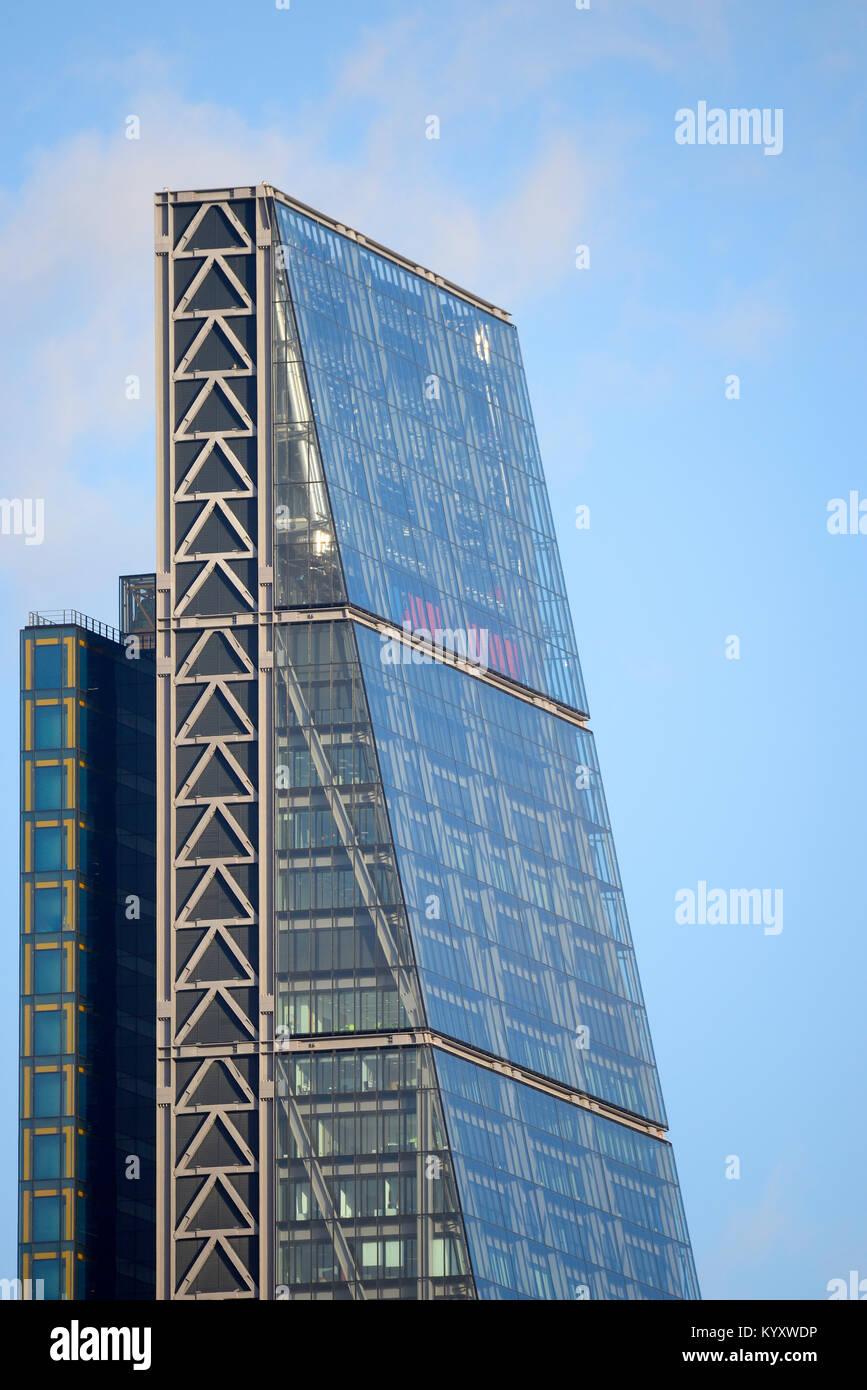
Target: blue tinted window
x=48 y=909
x=47 y=727
x=560 y=1203
x=46 y=666
x=47 y=1033
x=421 y=407
x=48 y=782
x=46 y=1225
x=48 y=971
x=509 y=876
x=48 y=847
x=46 y=1093
x=47 y=1155
x=49 y=1271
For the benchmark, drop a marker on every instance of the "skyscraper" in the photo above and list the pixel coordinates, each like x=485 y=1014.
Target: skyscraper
x=88 y=902
x=402 y=1049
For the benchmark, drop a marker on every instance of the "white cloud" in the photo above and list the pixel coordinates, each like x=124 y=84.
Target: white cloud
x=76 y=278
x=76 y=237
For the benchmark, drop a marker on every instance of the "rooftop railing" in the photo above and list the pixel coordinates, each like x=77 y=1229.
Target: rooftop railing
x=70 y=617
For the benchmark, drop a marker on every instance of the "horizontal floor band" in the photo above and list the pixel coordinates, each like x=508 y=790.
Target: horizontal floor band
x=349 y=613
x=426 y=1037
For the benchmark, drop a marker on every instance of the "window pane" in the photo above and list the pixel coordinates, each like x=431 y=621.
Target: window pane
x=47 y=727
x=46 y=1094
x=46 y=1033
x=48 y=915
x=48 y=847
x=48 y=789
x=46 y=1156
x=49 y=1272
x=46 y=675
x=46 y=1223
x=48 y=965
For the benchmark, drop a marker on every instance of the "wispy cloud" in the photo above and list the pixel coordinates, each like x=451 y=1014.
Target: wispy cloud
x=76 y=279
x=76 y=248
x=757 y=1234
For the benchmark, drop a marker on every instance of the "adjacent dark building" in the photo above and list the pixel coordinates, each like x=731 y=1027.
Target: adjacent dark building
x=88 y=998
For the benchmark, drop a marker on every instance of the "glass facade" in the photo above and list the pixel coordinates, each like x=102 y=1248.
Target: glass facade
x=307 y=567
x=510 y=878
x=344 y=957
x=88 y=890
x=561 y=1203
x=447 y=897
x=430 y=456
x=366 y=1199
x=138 y=595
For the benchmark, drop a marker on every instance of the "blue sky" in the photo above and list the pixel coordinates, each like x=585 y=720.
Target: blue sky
x=707 y=514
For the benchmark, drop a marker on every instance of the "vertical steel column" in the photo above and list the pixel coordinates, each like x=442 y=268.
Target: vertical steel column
x=215 y=1081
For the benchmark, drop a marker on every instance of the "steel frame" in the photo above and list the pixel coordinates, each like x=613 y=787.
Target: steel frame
x=215 y=1044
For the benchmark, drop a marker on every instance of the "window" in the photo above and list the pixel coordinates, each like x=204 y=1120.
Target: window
x=48 y=789
x=48 y=972
x=301 y=1203
x=46 y=1156
x=46 y=1093
x=46 y=670
x=48 y=910
x=49 y=1272
x=47 y=727
x=48 y=847
x=47 y=1032
x=46 y=1224
x=444 y=1258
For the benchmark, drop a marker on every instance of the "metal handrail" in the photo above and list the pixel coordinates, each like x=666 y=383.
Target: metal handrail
x=62 y=617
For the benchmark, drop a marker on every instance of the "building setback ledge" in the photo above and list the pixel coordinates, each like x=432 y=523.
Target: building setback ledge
x=426 y=1037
